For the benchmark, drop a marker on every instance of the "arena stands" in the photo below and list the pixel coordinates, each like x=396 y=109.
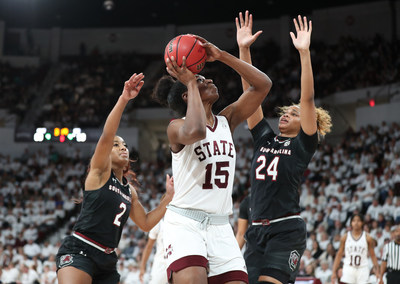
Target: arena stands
x=37 y=208
x=359 y=174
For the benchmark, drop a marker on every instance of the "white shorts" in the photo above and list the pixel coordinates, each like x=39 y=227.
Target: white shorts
x=183 y=237
x=158 y=273
x=355 y=275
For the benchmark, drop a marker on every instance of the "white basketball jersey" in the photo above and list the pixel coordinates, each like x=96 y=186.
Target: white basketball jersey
x=157 y=234
x=204 y=171
x=356 y=251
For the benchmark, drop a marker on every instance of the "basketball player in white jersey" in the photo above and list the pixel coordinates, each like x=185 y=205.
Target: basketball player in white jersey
x=355 y=245
x=158 y=273
x=200 y=245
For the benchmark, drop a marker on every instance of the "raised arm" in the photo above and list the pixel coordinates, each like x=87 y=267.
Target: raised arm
x=252 y=97
x=245 y=38
x=338 y=258
x=193 y=127
x=100 y=164
x=147 y=220
x=301 y=42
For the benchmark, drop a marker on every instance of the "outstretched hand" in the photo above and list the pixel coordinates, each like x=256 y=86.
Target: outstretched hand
x=303 y=30
x=244 y=27
x=132 y=86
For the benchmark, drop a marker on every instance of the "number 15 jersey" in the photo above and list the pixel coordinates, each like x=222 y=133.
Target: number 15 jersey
x=277 y=169
x=204 y=171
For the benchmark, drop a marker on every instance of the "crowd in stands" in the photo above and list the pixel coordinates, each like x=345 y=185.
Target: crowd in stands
x=37 y=190
x=18 y=86
x=360 y=174
x=89 y=83
x=88 y=88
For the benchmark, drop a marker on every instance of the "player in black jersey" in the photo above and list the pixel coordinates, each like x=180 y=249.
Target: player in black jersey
x=277 y=235
x=109 y=198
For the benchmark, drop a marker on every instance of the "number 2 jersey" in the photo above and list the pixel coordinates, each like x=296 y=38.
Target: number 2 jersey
x=105 y=211
x=277 y=170
x=204 y=171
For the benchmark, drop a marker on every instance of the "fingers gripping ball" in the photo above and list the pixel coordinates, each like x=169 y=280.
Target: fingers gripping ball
x=188 y=46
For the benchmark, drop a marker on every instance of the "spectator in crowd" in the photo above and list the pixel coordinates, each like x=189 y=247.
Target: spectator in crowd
x=323 y=273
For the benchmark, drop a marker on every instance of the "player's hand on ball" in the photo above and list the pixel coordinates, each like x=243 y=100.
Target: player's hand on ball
x=213 y=52
x=183 y=74
x=132 y=86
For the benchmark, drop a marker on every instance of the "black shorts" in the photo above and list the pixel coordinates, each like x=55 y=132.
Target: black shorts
x=253 y=270
x=101 y=266
x=276 y=249
x=393 y=277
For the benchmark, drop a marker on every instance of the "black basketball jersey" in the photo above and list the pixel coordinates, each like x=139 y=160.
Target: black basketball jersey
x=244 y=209
x=105 y=211
x=277 y=169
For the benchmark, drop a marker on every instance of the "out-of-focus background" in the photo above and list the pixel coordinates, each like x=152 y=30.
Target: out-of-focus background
x=62 y=68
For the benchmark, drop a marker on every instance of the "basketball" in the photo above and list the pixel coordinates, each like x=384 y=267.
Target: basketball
x=188 y=46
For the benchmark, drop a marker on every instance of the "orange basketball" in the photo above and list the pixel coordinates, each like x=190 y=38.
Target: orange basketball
x=188 y=46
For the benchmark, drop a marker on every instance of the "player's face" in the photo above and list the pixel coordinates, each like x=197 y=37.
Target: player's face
x=289 y=122
x=207 y=89
x=120 y=152
x=356 y=223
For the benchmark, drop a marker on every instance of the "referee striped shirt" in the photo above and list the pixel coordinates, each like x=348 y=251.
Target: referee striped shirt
x=391 y=254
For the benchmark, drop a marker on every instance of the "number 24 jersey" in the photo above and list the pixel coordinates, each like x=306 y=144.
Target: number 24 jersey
x=277 y=170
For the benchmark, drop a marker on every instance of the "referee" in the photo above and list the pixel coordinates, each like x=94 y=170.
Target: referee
x=391 y=259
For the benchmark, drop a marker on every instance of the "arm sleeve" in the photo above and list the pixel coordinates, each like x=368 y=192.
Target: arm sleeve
x=308 y=142
x=261 y=130
x=244 y=208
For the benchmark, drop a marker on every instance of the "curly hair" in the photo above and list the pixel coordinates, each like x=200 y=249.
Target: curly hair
x=324 y=120
x=168 y=92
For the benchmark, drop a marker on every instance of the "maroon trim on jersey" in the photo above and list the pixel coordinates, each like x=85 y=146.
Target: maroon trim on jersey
x=185 y=262
x=215 y=124
x=236 y=275
x=94 y=242
x=356 y=239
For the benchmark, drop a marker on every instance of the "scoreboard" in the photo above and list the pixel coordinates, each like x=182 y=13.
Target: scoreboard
x=58 y=135
x=43 y=134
